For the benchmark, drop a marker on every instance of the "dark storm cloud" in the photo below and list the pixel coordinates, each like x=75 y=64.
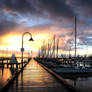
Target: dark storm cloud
x=53 y=9
x=57 y=8
x=6 y=25
x=84 y=3
x=22 y=6
x=83 y=7
x=85 y=38
x=50 y=8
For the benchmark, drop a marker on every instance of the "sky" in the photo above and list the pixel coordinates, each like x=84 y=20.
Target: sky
x=43 y=19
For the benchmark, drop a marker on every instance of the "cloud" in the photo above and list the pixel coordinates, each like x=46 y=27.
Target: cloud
x=85 y=38
x=58 y=10
x=82 y=7
x=55 y=9
x=6 y=25
x=22 y=6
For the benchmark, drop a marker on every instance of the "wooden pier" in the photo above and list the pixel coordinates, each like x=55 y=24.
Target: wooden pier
x=17 y=71
x=34 y=78
x=9 y=64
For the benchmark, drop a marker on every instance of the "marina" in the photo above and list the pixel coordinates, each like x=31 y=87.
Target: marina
x=10 y=73
x=73 y=78
x=38 y=80
x=70 y=81
x=45 y=45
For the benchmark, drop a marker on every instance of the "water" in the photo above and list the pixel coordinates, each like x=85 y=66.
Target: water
x=84 y=84
x=6 y=73
x=81 y=83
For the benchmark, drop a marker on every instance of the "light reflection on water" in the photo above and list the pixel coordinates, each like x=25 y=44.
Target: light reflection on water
x=83 y=84
x=6 y=73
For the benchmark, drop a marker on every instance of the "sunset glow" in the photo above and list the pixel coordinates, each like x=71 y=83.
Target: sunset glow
x=43 y=25
x=12 y=41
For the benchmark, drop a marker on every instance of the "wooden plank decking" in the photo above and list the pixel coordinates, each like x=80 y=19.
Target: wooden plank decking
x=34 y=78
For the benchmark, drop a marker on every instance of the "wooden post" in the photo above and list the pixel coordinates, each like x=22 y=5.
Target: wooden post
x=16 y=66
x=19 y=65
x=7 y=63
x=2 y=63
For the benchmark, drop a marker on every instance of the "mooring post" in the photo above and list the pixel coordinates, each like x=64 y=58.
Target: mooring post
x=2 y=63
x=11 y=65
x=7 y=63
x=16 y=66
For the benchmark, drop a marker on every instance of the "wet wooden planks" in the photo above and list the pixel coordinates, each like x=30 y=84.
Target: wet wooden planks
x=34 y=78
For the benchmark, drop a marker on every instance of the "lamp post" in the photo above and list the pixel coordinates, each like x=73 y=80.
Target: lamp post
x=22 y=49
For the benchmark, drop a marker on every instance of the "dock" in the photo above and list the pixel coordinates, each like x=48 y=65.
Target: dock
x=34 y=78
x=15 y=71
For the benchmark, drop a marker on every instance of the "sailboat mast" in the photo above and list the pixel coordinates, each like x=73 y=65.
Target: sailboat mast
x=75 y=34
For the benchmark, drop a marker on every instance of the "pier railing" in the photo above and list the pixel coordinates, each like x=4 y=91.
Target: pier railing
x=18 y=70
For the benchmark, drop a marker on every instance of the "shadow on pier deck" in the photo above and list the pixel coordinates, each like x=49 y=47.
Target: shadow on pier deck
x=34 y=78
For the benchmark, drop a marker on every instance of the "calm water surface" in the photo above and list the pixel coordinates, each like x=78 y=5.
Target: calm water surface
x=83 y=84
x=6 y=74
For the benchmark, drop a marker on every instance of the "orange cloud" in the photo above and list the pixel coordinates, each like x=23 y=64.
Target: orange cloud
x=12 y=40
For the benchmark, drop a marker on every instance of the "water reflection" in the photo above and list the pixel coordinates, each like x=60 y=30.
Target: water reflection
x=12 y=71
x=16 y=84
x=7 y=73
x=22 y=80
x=80 y=82
x=35 y=75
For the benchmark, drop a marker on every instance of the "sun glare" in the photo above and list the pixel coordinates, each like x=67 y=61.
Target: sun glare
x=13 y=42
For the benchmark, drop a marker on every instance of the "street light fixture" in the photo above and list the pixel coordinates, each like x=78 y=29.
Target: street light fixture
x=22 y=49
x=31 y=39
